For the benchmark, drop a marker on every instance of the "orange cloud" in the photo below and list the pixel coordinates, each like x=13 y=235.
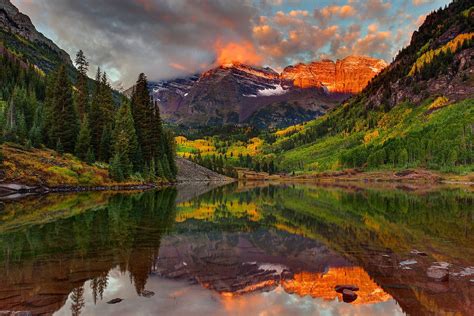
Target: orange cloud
x=237 y=52
x=344 y=11
x=178 y=66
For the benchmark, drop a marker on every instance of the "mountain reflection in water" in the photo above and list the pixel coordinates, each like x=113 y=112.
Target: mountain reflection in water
x=272 y=249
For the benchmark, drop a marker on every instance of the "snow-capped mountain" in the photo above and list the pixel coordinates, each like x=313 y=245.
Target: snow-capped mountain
x=242 y=94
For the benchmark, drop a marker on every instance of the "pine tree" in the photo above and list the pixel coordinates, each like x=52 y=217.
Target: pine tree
x=90 y=158
x=48 y=109
x=65 y=124
x=77 y=301
x=124 y=138
x=105 y=143
x=115 y=168
x=11 y=126
x=107 y=101
x=83 y=144
x=81 y=84
x=36 y=131
x=101 y=116
x=143 y=115
x=95 y=115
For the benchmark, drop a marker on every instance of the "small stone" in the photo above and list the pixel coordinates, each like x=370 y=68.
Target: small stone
x=341 y=287
x=408 y=262
x=438 y=274
x=348 y=296
x=419 y=253
x=147 y=293
x=115 y=301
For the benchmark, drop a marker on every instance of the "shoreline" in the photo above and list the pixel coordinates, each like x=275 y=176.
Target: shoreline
x=16 y=190
x=408 y=176
x=12 y=191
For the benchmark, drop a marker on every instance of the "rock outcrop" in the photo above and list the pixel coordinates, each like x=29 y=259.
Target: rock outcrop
x=347 y=76
x=188 y=171
x=13 y=21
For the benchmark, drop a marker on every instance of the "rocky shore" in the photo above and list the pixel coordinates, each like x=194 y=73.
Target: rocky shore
x=13 y=190
x=189 y=173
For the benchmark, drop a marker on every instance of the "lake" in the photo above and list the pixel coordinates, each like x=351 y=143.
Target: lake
x=241 y=249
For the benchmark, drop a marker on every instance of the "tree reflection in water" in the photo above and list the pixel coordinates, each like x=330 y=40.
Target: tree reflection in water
x=236 y=240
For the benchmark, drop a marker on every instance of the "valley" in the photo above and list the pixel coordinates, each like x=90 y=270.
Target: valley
x=244 y=157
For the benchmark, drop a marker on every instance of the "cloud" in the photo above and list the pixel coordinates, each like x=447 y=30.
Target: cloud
x=170 y=38
x=132 y=36
x=420 y=2
x=325 y=14
x=243 y=52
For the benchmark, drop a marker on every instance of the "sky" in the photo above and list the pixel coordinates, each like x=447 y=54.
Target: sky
x=166 y=39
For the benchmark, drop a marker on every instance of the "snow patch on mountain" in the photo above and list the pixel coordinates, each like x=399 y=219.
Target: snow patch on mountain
x=276 y=90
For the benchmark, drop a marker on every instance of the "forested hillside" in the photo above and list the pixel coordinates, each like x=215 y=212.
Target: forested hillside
x=419 y=112
x=49 y=110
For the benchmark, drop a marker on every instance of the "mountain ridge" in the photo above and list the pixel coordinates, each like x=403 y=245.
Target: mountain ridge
x=236 y=93
x=14 y=22
x=417 y=112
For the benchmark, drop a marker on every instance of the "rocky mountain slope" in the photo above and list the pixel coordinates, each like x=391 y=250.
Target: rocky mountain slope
x=15 y=26
x=242 y=94
x=417 y=113
x=348 y=76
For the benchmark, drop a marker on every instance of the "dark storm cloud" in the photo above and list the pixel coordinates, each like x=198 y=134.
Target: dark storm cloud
x=169 y=38
x=161 y=38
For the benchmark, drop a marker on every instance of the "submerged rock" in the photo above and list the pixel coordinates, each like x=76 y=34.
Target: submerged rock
x=147 y=293
x=341 y=287
x=348 y=296
x=115 y=301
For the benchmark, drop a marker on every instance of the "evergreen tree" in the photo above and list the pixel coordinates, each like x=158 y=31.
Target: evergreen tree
x=101 y=116
x=115 y=168
x=107 y=108
x=105 y=143
x=48 y=109
x=124 y=138
x=142 y=112
x=65 y=124
x=95 y=115
x=81 y=84
x=36 y=131
x=83 y=144
x=90 y=158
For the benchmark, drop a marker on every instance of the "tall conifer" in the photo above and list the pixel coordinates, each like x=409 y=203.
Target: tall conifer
x=82 y=90
x=65 y=123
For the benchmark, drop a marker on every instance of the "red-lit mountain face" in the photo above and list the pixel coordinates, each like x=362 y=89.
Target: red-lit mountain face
x=236 y=93
x=349 y=75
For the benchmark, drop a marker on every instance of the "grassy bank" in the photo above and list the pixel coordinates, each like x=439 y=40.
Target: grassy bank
x=48 y=168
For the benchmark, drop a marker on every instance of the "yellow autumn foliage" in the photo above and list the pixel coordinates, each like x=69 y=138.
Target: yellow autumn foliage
x=439 y=103
x=289 y=130
x=371 y=136
x=428 y=57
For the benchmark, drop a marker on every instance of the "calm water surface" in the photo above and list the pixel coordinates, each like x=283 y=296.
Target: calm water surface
x=239 y=250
